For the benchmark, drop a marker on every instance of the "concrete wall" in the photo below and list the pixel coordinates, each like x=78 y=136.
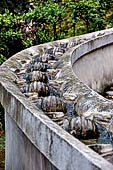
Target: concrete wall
x=60 y=148
x=32 y=139
x=21 y=154
x=94 y=66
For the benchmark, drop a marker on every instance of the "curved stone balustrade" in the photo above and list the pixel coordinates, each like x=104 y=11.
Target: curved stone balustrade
x=33 y=140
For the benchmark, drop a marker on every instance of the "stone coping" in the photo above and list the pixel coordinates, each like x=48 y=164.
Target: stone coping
x=55 y=143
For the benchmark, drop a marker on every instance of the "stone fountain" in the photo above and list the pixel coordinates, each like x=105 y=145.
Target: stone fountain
x=54 y=114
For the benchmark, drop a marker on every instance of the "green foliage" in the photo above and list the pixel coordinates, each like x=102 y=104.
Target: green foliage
x=90 y=13
x=2 y=59
x=2 y=122
x=9 y=35
x=47 y=21
x=14 y=6
x=2 y=150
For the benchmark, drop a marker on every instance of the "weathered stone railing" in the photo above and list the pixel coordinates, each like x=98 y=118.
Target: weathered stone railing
x=34 y=141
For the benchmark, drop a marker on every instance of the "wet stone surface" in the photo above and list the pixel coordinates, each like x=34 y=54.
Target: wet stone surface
x=37 y=81
x=46 y=80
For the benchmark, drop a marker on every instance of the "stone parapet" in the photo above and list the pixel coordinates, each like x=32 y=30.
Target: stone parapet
x=32 y=127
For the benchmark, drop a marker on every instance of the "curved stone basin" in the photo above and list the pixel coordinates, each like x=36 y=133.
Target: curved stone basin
x=92 y=64
x=33 y=140
x=95 y=60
